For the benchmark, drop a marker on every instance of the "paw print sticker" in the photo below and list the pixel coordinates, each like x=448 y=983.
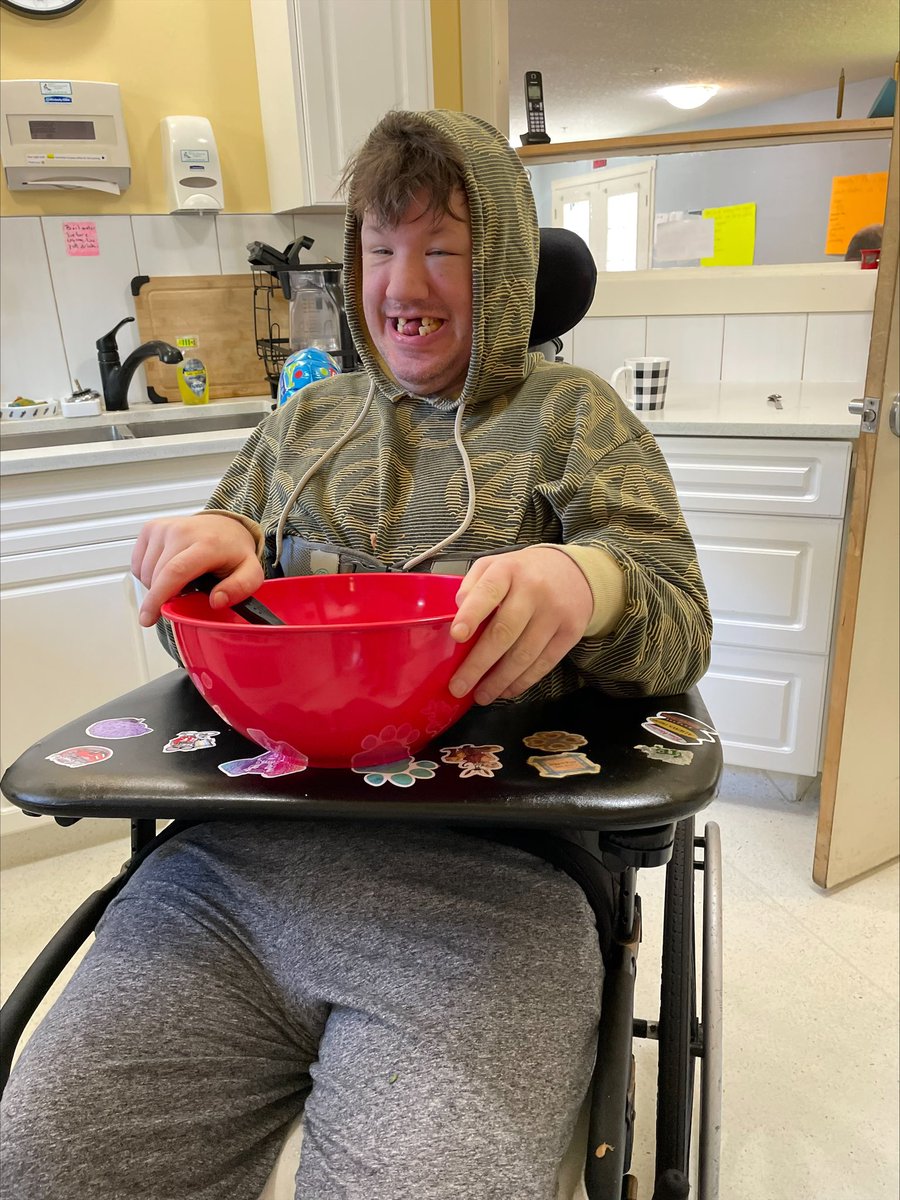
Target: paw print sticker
x=402 y=773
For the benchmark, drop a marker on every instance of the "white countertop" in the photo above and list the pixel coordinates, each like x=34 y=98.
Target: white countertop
x=97 y=454
x=809 y=410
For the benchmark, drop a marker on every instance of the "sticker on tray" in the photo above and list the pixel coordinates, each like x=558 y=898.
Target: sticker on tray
x=390 y=745
x=554 y=741
x=402 y=773
x=119 y=727
x=202 y=682
x=561 y=766
x=80 y=756
x=680 y=728
x=278 y=758
x=191 y=739
x=669 y=754
x=438 y=715
x=473 y=760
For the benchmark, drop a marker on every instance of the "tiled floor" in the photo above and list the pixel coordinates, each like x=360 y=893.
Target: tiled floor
x=812 y=1001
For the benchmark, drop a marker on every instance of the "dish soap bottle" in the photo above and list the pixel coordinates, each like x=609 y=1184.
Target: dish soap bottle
x=193 y=384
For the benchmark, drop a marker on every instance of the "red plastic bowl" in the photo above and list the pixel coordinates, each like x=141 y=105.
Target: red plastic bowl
x=358 y=676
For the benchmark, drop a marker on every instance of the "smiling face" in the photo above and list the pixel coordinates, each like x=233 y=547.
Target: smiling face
x=417 y=295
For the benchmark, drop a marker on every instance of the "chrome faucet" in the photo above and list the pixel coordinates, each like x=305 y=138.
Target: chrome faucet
x=115 y=376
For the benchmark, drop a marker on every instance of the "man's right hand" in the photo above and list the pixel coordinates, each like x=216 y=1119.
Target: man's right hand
x=172 y=551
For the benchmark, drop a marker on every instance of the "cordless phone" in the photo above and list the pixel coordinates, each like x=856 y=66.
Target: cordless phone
x=534 y=108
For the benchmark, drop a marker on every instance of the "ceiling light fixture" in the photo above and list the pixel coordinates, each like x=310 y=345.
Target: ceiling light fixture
x=689 y=95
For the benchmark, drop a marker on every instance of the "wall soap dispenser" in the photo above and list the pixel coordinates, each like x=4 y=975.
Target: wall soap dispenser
x=191 y=165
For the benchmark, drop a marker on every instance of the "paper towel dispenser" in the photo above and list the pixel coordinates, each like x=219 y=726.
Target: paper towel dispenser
x=63 y=134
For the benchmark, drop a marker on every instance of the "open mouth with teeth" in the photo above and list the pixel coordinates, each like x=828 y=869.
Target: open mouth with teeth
x=417 y=326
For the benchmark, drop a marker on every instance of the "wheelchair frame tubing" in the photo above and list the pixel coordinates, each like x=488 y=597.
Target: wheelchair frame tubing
x=711 y=1009
x=607 y=1130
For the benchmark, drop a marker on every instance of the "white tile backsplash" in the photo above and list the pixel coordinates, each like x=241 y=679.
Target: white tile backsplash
x=600 y=344
x=692 y=343
x=237 y=229
x=93 y=294
x=33 y=359
x=327 y=230
x=837 y=347
x=181 y=244
x=763 y=347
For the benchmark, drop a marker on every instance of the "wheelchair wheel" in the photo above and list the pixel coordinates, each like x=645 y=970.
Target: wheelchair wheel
x=677 y=1010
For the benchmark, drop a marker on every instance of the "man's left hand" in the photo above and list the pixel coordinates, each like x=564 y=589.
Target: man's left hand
x=541 y=605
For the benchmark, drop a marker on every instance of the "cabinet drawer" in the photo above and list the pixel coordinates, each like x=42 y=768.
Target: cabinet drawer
x=767 y=707
x=759 y=475
x=771 y=580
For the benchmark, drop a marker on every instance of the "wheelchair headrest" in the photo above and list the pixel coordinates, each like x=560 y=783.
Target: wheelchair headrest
x=566 y=278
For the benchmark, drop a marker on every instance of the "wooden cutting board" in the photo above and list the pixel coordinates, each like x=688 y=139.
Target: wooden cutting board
x=217 y=311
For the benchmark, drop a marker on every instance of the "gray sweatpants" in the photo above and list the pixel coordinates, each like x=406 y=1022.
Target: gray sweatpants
x=429 y=999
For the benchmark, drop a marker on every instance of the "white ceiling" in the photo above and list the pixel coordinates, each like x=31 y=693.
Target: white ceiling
x=603 y=60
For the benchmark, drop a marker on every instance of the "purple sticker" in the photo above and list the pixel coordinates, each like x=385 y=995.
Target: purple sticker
x=279 y=758
x=191 y=739
x=80 y=756
x=119 y=727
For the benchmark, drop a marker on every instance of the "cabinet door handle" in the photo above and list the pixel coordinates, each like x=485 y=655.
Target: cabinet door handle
x=894 y=416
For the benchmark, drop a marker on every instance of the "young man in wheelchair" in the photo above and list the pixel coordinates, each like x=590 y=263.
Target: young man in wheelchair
x=427 y=997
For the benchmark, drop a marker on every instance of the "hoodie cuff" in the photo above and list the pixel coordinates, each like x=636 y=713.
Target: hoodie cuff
x=248 y=523
x=607 y=583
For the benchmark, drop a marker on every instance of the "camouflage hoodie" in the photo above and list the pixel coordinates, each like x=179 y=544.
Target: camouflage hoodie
x=555 y=458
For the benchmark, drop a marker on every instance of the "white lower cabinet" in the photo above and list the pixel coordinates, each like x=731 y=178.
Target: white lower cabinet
x=767 y=517
x=69 y=635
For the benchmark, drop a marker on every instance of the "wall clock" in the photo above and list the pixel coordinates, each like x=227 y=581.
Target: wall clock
x=42 y=9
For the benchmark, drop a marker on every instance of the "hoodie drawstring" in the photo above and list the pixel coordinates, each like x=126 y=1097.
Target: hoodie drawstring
x=470 y=486
x=412 y=562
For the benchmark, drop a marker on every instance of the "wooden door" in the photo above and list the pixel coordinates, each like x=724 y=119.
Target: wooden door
x=858 y=817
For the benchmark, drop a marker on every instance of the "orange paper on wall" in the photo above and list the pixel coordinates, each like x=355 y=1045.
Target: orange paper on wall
x=856 y=201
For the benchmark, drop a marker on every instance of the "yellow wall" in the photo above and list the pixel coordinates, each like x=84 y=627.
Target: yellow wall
x=446 y=54
x=169 y=57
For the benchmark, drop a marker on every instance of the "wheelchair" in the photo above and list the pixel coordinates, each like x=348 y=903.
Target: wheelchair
x=601 y=828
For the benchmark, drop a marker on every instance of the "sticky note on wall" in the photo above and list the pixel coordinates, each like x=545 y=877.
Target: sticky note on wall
x=734 y=237
x=856 y=201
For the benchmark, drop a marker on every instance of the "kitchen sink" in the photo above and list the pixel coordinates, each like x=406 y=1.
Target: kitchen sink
x=128 y=430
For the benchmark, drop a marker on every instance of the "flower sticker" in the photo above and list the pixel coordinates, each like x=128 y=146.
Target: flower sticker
x=473 y=760
x=438 y=715
x=402 y=773
x=554 y=741
x=119 y=727
x=279 y=758
x=669 y=754
x=389 y=746
x=561 y=766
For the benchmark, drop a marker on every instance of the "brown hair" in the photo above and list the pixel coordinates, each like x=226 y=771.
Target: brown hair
x=403 y=155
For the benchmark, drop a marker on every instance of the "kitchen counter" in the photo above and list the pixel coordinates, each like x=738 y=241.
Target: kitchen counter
x=96 y=454
x=809 y=410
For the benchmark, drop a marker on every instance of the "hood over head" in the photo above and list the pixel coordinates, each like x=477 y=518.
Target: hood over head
x=505 y=246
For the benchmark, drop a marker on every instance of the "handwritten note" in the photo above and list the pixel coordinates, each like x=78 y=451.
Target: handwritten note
x=81 y=239
x=856 y=201
x=734 y=238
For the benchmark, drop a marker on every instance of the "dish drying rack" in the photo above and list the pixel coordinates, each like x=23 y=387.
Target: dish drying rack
x=273 y=345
